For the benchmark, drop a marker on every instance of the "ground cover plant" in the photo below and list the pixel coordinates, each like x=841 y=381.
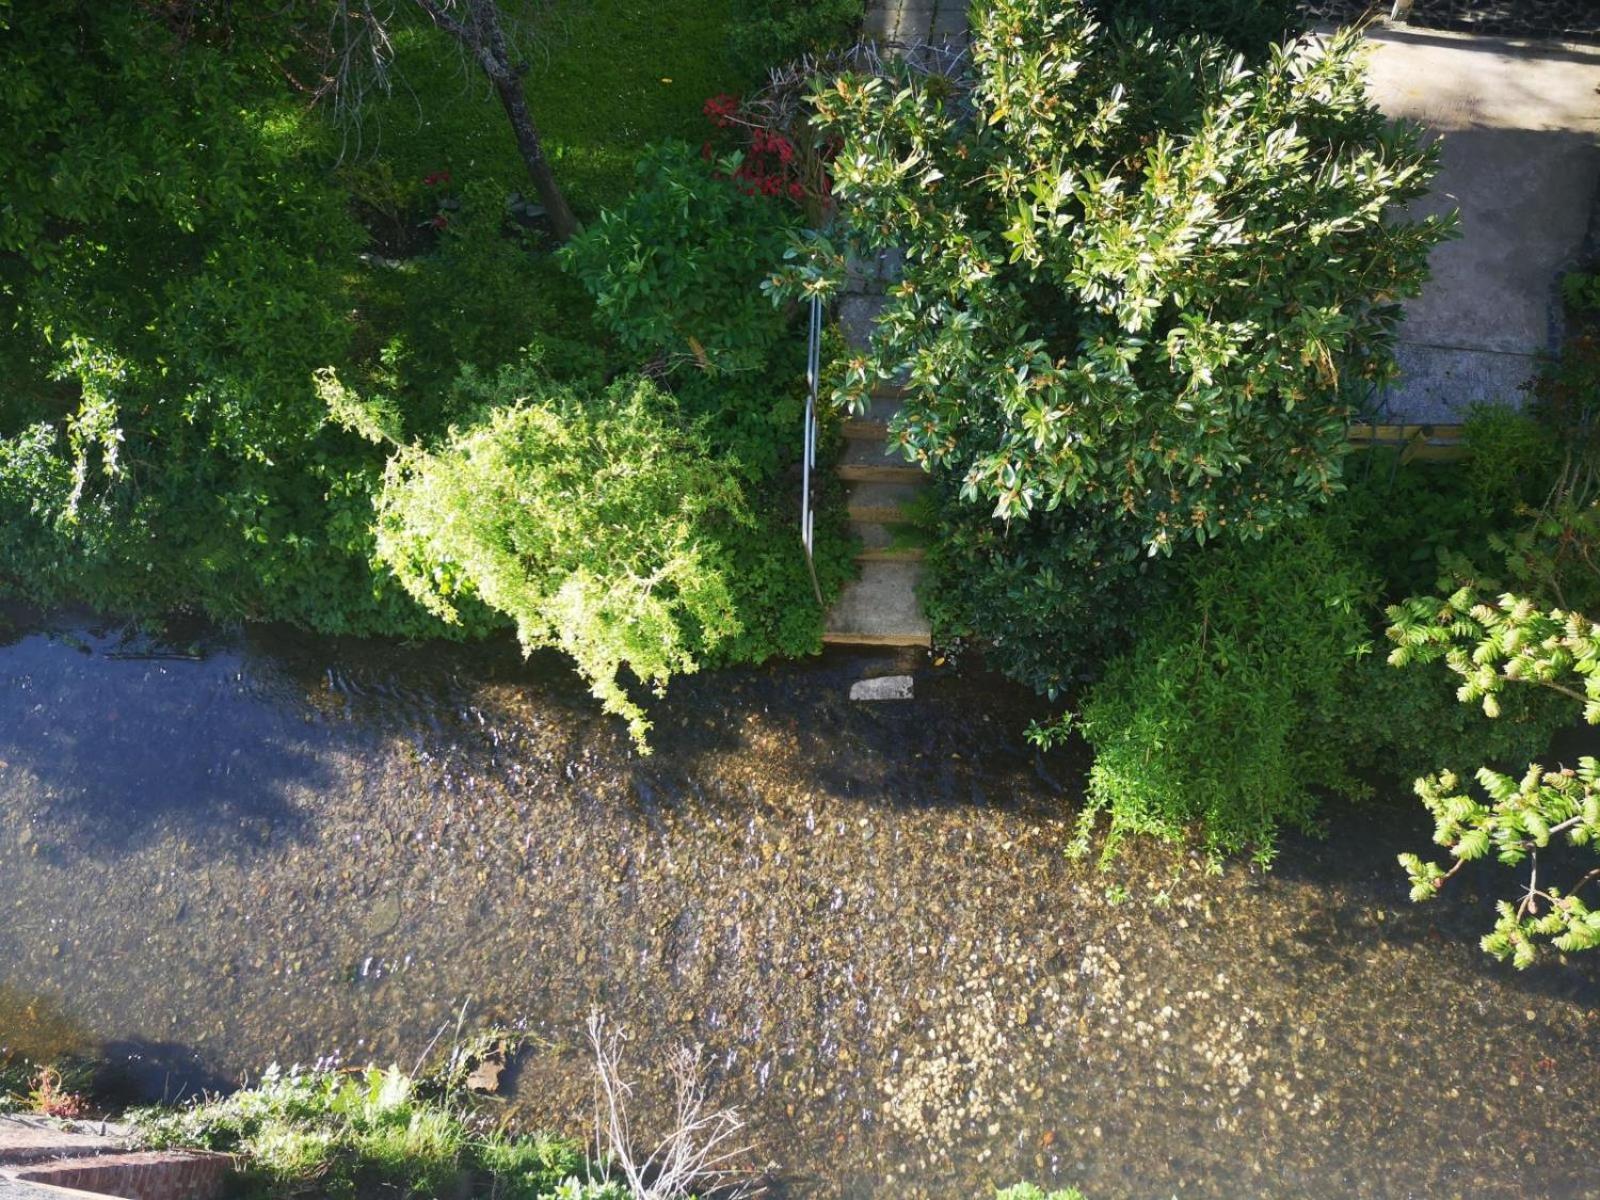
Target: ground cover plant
x=365 y=1133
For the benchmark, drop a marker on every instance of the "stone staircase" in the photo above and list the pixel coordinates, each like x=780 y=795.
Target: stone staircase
x=880 y=608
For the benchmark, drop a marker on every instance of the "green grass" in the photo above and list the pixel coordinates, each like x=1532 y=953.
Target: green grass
x=606 y=78
x=370 y=1134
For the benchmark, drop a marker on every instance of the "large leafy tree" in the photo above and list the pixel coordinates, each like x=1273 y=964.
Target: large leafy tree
x=1140 y=277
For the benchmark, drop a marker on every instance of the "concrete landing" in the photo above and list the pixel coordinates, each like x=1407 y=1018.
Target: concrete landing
x=880 y=608
x=1520 y=122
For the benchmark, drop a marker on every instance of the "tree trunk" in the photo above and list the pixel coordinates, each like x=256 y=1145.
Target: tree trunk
x=481 y=34
x=509 y=88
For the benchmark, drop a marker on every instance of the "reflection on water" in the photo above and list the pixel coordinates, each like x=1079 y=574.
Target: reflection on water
x=280 y=847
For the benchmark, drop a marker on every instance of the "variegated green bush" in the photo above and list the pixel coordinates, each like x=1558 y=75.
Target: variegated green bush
x=1140 y=276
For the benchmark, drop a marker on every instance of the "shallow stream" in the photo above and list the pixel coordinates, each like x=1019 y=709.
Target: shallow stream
x=234 y=849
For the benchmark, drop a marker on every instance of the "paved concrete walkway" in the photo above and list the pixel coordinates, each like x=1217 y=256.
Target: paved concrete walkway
x=911 y=22
x=1520 y=160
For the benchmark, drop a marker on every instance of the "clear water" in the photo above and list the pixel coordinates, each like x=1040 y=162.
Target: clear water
x=224 y=850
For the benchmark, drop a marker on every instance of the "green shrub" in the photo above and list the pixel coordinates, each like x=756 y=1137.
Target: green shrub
x=1047 y=598
x=1405 y=515
x=677 y=269
x=368 y=1133
x=1142 y=284
x=1144 y=280
x=1514 y=458
x=1580 y=291
x=480 y=297
x=177 y=258
x=1216 y=723
x=593 y=521
x=1241 y=699
x=181 y=260
x=1028 y=1191
x=1400 y=725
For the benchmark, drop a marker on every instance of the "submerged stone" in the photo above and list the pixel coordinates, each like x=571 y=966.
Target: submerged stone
x=884 y=687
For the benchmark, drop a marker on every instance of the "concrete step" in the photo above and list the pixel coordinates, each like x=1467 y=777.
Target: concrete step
x=862 y=429
x=881 y=503
x=880 y=608
x=888 y=543
x=885 y=474
x=872 y=425
x=866 y=452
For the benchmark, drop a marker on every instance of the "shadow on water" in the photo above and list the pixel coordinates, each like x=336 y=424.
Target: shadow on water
x=139 y=1071
x=109 y=738
x=1362 y=895
x=911 y=755
x=36 y=1029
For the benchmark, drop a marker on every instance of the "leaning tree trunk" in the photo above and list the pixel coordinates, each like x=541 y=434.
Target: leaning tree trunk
x=481 y=34
x=512 y=99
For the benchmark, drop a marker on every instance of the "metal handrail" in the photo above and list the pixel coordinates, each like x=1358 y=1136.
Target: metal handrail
x=813 y=375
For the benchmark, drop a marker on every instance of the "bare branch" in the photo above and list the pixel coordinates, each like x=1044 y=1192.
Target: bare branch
x=700 y=1152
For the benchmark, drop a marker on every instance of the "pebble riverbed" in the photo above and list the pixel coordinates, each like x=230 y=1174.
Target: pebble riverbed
x=222 y=850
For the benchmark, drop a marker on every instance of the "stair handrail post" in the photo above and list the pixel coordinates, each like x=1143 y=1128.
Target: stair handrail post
x=813 y=379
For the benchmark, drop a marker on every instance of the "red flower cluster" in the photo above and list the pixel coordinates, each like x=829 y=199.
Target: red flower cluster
x=720 y=109
x=436 y=178
x=770 y=166
x=762 y=142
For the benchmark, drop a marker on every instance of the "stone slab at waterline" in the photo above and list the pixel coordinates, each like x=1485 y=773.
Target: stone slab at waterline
x=882 y=687
x=1519 y=121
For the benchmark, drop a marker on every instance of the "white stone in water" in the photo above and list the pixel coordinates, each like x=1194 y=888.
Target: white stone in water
x=884 y=687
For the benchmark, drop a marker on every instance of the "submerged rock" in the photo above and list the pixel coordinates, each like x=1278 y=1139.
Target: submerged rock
x=884 y=687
